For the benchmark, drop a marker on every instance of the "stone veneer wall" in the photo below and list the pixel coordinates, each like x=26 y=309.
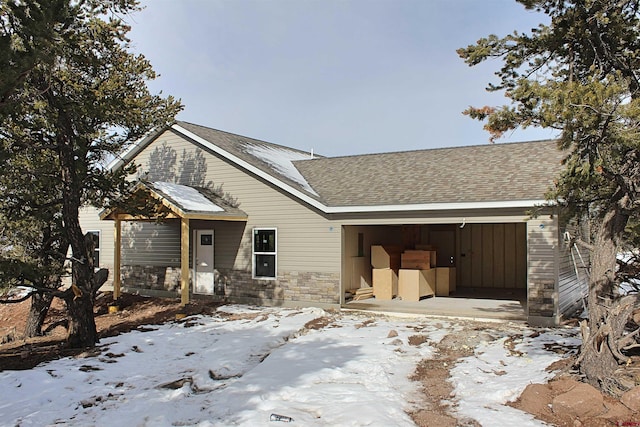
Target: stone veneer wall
x=541 y=299
x=290 y=286
x=309 y=286
x=150 y=277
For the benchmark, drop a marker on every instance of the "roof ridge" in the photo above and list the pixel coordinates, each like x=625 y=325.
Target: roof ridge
x=423 y=150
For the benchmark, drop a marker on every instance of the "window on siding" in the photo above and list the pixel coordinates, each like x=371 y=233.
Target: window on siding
x=264 y=253
x=96 y=249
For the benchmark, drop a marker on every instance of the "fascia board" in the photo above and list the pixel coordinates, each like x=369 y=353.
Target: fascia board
x=438 y=206
x=133 y=149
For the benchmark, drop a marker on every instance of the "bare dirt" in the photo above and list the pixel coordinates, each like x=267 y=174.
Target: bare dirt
x=135 y=311
x=563 y=402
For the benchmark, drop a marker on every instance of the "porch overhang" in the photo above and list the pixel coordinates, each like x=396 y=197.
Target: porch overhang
x=172 y=201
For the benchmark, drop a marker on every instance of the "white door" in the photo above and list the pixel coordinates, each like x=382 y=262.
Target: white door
x=203 y=260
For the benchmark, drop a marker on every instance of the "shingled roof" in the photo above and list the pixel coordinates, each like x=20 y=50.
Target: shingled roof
x=482 y=173
x=513 y=174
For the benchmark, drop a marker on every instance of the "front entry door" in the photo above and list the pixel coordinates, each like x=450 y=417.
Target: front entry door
x=203 y=260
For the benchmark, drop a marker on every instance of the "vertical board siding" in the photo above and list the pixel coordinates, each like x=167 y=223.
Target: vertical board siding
x=494 y=256
x=476 y=256
x=499 y=256
x=522 y=268
x=510 y=256
x=306 y=241
x=464 y=250
x=486 y=258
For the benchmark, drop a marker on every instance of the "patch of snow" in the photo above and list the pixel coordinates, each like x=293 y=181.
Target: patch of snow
x=244 y=364
x=281 y=158
x=18 y=292
x=500 y=370
x=187 y=197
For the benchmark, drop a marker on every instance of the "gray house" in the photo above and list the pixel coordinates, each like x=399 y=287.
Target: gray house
x=250 y=221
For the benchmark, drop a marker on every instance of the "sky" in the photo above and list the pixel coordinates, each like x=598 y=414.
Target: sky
x=243 y=366
x=340 y=77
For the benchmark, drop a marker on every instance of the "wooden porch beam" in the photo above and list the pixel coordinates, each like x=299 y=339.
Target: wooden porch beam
x=184 y=261
x=116 y=259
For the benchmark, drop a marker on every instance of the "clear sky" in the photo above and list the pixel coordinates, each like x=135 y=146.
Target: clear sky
x=340 y=77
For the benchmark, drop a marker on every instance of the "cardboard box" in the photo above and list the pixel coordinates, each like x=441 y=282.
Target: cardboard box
x=431 y=249
x=445 y=281
x=426 y=247
x=416 y=284
x=416 y=260
x=385 y=256
x=385 y=283
x=360 y=273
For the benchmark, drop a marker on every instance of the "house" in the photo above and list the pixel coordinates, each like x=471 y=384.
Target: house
x=261 y=223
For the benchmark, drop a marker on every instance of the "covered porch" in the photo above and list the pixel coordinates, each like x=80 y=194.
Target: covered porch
x=164 y=202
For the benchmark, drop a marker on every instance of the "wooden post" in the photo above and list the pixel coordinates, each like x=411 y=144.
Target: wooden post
x=184 y=261
x=116 y=259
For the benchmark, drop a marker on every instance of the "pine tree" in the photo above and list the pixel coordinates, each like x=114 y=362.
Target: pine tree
x=579 y=74
x=76 y=97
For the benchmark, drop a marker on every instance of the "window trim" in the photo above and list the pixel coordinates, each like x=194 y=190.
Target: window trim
x=97 y=249
x=254 y=253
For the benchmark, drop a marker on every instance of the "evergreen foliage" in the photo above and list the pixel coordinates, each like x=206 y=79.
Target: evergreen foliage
x=74 y=96
x=579 y=74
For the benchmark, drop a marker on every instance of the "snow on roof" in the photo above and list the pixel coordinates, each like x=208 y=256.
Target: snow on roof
x=187 y=197
x=281 y=158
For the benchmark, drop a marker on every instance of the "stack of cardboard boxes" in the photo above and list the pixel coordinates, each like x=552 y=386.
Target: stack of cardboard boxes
x=417 y=277
x=385 y=261
x=409 y=274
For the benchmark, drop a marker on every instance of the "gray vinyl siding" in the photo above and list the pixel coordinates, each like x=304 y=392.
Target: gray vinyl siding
x=573 y=280
x=151 y=244
x=90 y=221
x=542 y=247
x=227 y=241
x=306 y=240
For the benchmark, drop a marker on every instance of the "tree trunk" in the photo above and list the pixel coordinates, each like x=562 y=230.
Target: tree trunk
x=40 y=303
x=600 y=356
x=82 y=330
x=82 y=324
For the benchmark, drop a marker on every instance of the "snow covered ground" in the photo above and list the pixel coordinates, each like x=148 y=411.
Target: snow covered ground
x=246 y=364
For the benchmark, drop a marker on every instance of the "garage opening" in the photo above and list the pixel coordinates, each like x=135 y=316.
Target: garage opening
x=481 y=261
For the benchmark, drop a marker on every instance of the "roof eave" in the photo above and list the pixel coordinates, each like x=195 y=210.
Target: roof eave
x=507 y=204
x=132 y=150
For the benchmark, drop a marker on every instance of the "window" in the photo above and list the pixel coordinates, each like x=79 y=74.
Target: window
x=96 y=247
x=264 y=253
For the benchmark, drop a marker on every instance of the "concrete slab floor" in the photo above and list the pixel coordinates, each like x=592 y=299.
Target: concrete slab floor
x=513 y=308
